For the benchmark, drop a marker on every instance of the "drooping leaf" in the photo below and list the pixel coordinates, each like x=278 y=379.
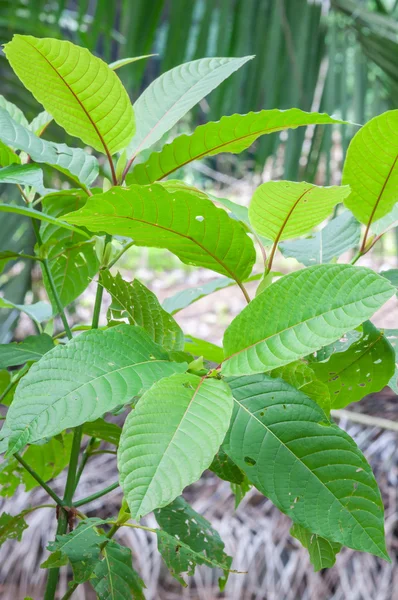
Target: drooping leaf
x=114 y=577
x=31 y=348
x=101 y=429
x=302 y=377
x=141 y=307
x=117 y=64
x=192 y=228
x=82 y=380
x=310 y=309
x=365 y=367
x=79 y=90
x=72 y=259
x=338 y=236
x=371 y=168
x=174 y=93
x=199 y=347
x=47 y=460
x=310 y=469
x=23 y=175
x=322 y=553
x=280 y=210
x=181 y=521
x=226 y=469
x=81 y=547
x=232 y=133
x=38 y=312
x=26 y=211
x=40 y=123
x=392 y=337
x=12 y=527
x=74 y=162
x=170 y=438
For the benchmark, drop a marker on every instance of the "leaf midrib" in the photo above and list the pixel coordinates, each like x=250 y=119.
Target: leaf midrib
x=252 y=415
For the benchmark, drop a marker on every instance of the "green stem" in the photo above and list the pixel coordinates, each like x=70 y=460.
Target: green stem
x=39 y=480
x=99 y=294
x=118 y=256
x=103 y=492
x=86 y=455
x=53 y=574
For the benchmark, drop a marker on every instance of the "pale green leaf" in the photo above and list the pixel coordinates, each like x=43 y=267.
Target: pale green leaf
x=23 y=175
x=80 y=381
x=79 y=90
x=310 y=309
x=321 y=551
x=392 y=337
x=174 y=93
x=12 y=527
x=15 y=113
x=31 y=348
x=170 y=438
x=232 y=133
x=308 y=467
x=40 y=123
x=117 y=64
x=364 y=368
x=38 y=312
x=338 y=236
x=26 y=211
x=141 y=307
x=74 y=162
x=114 y=577
x=192 y=228
x=72 y=259
x=371 y=168
x=386 y=223
x=392 y=276
x=280 y=210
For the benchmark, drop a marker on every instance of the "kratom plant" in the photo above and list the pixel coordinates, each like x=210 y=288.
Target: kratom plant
x=257 y=412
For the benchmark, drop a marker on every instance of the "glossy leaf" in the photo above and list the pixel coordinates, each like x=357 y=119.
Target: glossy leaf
x=192 y=228
x=371 y=168
x=114 y=577
x=12 y=527
x=31 y=348
x=141 y=307
x=232 y=133
x=176 y=427
x=74 y=162
x=73 y=261
x=310 y=469
x=310 y=308
x=364 y=368
x=322 y=553
x=82 y=380
x=174 y=93
x=280 y=210
x=338 y=236
x=79 y=90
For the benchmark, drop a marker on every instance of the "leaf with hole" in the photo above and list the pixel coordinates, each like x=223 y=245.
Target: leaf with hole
x=176 y=428
x=392 y=337
x=310 y=309
x=12 y=527
x=310 y=469
x=114 y=577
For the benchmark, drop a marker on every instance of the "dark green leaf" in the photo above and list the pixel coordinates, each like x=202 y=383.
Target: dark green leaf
x=101 y=429
x=322 y=552
x=114 y=577
x=12 y=527
x=226 y=469
x=31 y=349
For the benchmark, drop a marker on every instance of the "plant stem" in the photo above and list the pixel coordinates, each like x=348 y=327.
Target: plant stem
x=39 y=480
x=122 y=251
x=244 y=291
x=86 y=455
x=97 y=306
x=103 y=492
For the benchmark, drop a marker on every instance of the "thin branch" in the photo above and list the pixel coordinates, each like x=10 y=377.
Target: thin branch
x=39 y=480
x=103 y=492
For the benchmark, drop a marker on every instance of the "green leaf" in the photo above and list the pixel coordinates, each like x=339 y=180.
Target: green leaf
x=72 y=259
x=37 y=214
x=74 y=162
x=174 y=93
x=12 y=527
x=386 y=223
x=186 y=297
x=8 y=255
x=226 y=469
x=192 y=228
x=280 y=210
x=302 y=377
x=81 y=547
x=8 y=156
x=15 y=113
x=5 y=380
x=80 y=381
x=170 y=438
x=38 y=312
x=141 y=307
x=79 y=90
x=310 y=309
x=31 y=348
x=392 y=276
x=199 y=347
x=232 y=133
x=47 y=460
x=364 y=368
x=322 y=552
x=117 y=64
x=308 y=467
x=10 y=476
x=114 y=577
x=392 y=337
x=338 y=236
x=23 y=175
x=109 y=432
x=182 y=522
x=371 y=168
x=40 y=123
